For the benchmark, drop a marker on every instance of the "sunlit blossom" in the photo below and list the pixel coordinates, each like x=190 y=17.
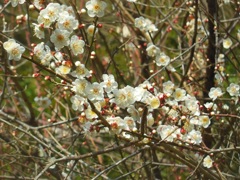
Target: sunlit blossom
x=215 y=93
x=95 y=91
x=81 y=71
x=152 y=50
x=60 y=38
x=77 y=45
x=233 y=89
x=63 y=69
x=194 y=137
x=79 y=86
x=109 y=82
x=13 y=49
x=51 y=12
x=78 y=102
x=91 y=30
x=204 y=121
x=162 y=59
x=144 y=24
x=167 y=132
x=179 y=94
x=207 y=162
x=168 y=87
x=96 y=8
x=227 y=43
x=38 y=31
x=67 y=22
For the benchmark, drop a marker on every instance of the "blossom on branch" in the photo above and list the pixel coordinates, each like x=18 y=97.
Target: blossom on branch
x=207 y=162
x=215 y=93
x=145 y=24
x=60 y=38
x=13 y=49
x=233 y=89
x=96 y=8
x=227 y=43
x=162 y=59
x=77 y=45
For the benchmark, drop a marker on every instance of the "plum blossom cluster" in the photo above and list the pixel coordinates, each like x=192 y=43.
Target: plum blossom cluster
x=181 y=118
x=179 y=114
x=62 y=19
x=145 y=24
x=160 y=58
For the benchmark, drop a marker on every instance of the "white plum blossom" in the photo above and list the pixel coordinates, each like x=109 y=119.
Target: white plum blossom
x=194 y=137
x=152 y=50
x=90 y=30
x=145 y=24
x=95 y=8
x=77 y=45
x=60 y=38
x=13 y=49
x=43 y=53
x=95 y=91
x=79 y=86
x=39 y=4
x=133 y=112
x=78 y=102
x=67 y=22
x=81 y=71
x=210 y=105
x=14 y=3
x=109 y=82
x=44 y=21
x=225 y=107
x=204 y=121
x=63 y=69
x=150 y=119
x=207 y=162
x=215 y=93
x=168 y=87
x=153 y=102
x=89 y=112
x=219 y=77
x=117 y=124
x=140 y=23
x=233 y=89
x=69 y=9
x=130 y=122
x=227 y=43
x=162 y=59
x=167 y=132
x=192 y=105
x=39 y=50
x=141 y=93
x=123 y=97
x=51 y=12
x=220 y=58
x=179 y=94
x=194 y=121
x=39 y=31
